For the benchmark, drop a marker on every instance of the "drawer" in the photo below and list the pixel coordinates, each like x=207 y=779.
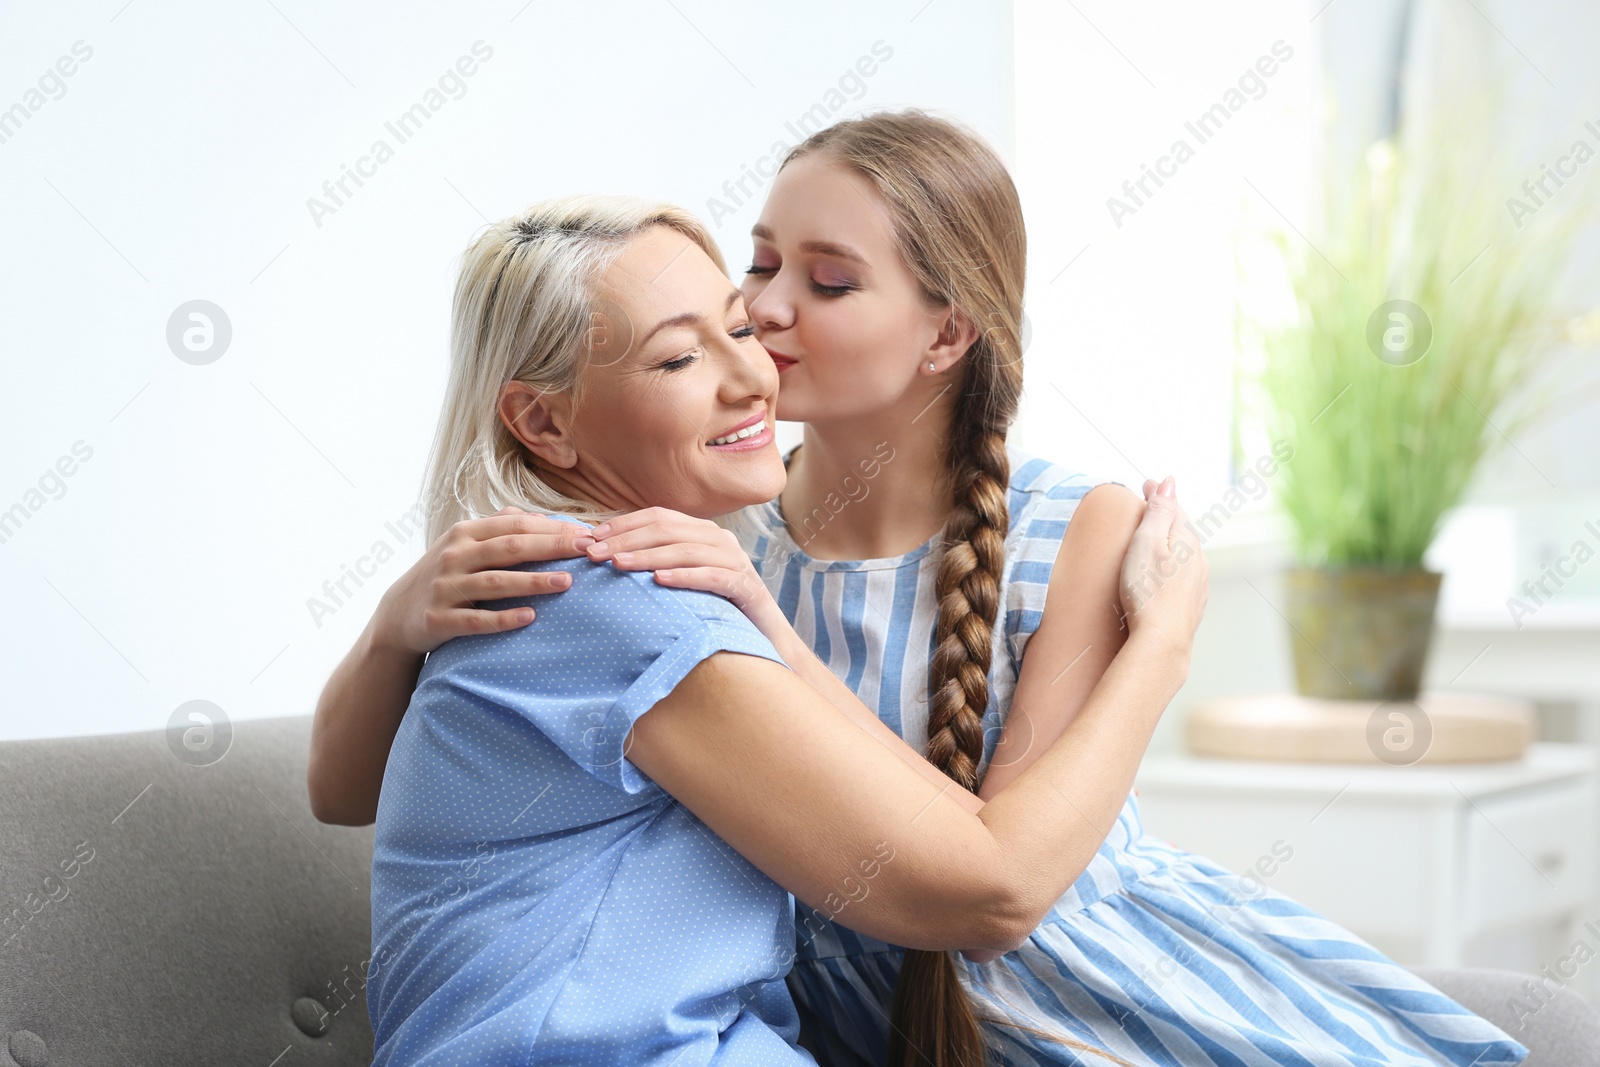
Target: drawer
x=1529 y=854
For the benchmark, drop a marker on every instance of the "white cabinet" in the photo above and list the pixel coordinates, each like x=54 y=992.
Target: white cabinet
x=1484 y=864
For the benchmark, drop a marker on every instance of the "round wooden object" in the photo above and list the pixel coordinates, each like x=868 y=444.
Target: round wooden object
x=1434 y=728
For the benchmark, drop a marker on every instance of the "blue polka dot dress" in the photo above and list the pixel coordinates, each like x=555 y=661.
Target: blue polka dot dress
x=535 y=898
x=1155 y=954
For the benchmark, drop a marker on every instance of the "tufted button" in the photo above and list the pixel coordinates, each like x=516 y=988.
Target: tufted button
x=27 y=1048
x=309 y=1015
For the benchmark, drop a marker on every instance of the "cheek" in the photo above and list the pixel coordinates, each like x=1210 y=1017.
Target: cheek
x=681 y=413
x=614 y=423
x=849 y=342
x=670 y=417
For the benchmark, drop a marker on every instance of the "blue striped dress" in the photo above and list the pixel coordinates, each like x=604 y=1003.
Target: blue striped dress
x=1154 y=954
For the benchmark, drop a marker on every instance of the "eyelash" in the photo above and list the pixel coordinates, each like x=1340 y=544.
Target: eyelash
x=816 y=287
x=743 y=332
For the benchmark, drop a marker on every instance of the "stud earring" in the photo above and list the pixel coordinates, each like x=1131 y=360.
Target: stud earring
x=930 y=366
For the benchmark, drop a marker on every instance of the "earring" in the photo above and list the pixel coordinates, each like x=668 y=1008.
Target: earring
x=930 y=366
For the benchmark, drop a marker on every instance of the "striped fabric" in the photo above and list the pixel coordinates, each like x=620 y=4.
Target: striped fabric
x=1154 y=954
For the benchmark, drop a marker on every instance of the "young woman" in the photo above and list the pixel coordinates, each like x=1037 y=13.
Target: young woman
x=886 y=285
x=552 y=879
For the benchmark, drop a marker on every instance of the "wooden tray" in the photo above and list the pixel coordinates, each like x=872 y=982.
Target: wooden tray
x=1435 y=728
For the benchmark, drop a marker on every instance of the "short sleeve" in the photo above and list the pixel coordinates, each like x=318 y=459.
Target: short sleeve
x=595 y=658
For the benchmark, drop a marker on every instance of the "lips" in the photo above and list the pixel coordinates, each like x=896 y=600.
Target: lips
x=759 y=416
x=780 y=359
x=754 y=438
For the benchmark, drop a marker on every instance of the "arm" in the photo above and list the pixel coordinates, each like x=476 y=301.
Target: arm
x=793 y=786
x=365 y=698
x=1079 y=635
x=357 y=716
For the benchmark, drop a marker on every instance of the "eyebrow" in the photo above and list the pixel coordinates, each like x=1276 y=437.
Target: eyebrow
x=687 y=318
x=821 y=248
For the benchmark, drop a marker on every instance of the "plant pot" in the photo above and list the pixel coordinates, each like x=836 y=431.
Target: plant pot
x=1360 y=633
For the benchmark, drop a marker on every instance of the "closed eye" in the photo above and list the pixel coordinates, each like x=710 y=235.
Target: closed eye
x=738 y=333
x=816 y=286
x=679 y=363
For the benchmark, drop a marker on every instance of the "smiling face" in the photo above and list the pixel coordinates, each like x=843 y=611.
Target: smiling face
x=832 y=300
x=674 y=376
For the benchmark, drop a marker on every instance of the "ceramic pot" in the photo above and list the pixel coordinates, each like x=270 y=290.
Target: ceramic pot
x=1360 y=633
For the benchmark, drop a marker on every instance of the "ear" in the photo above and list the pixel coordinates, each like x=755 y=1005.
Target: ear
x=540 y=420
x=956 y=334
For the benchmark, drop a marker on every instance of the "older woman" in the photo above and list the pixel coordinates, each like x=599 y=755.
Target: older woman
x=588 y=835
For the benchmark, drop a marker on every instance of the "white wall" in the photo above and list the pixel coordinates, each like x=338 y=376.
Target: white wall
x=1131 y=290
x=176 y=560
x=1130 y=370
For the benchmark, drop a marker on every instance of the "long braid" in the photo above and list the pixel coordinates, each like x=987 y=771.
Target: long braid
x=931 y=1009
x=967 y=589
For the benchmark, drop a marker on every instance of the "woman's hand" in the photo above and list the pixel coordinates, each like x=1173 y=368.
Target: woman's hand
x=434 y=600
x=366 y=697
x=1165 y=578
x=690 y=553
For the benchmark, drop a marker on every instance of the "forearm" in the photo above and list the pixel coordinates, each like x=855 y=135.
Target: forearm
x=357 y=717
x=1051 y=821
x=1040 y=715
x=804 y=662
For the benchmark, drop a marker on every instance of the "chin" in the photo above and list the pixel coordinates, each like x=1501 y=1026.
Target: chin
x=791 y=408
x=801 y=404
x=757 y=487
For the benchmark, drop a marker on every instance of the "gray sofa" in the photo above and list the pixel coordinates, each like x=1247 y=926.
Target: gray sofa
x=164 y=906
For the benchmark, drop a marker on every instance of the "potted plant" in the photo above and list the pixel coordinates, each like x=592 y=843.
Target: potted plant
x=1422 y=316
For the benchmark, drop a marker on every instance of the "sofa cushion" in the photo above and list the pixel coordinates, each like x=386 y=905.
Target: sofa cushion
x=1558 y=1026
x=168 y=902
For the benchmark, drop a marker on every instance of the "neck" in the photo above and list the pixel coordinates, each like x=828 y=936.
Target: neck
x=869 y=488
x=579 y=485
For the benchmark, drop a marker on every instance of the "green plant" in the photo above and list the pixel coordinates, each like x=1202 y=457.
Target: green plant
x=1390 y=412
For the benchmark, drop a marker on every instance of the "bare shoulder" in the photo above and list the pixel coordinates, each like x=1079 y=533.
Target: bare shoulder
x=1084 y=578
x=1103 y=522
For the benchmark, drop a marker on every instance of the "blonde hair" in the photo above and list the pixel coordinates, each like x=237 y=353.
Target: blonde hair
x=524 y=311
x=958 y=227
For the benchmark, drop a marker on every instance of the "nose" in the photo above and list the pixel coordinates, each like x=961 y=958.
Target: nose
x=770 y=305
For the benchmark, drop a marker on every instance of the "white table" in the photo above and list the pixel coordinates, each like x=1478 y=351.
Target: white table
x=1553 y=657
x=1490 y=864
